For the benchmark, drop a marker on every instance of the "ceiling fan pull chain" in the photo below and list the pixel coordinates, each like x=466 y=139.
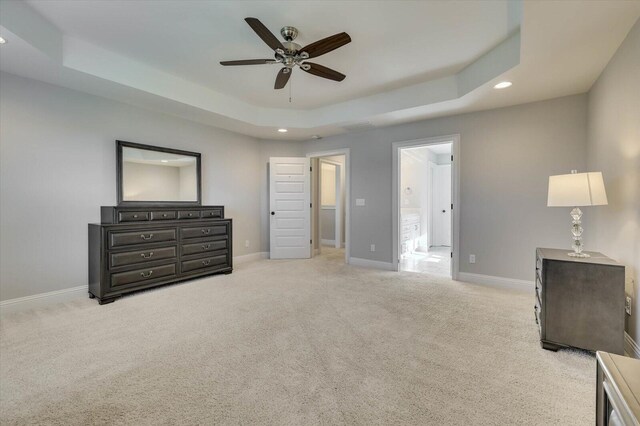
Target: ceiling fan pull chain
x=290 y=89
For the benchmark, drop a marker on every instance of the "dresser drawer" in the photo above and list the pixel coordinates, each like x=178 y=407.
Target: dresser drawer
x=141 y=275
x=139 y=256
x=203 y=247
x=119 y=239
x=164 y=215
x=204 y=231
x=188 y=214
x=132 y=216
x=212 y=214
x=206 y=262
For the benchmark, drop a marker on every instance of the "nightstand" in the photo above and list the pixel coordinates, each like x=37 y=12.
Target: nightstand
x=579 y=301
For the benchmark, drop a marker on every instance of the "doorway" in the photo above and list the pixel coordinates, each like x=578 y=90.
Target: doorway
x=330 y=205
x=425 y=190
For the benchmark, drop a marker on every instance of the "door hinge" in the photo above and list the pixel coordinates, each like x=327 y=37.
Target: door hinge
x=310 y=205
x=310 y=241
x=451 y=206
x=452 y=158
x=452 y=255
x=310 y=168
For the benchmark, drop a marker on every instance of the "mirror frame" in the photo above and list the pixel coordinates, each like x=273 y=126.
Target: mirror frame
x=119 y=166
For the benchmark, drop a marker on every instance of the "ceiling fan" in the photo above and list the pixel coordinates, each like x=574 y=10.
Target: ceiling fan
x=291 y=54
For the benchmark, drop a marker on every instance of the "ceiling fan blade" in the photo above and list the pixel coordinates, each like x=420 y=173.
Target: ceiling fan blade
x=326 y=45
x=248 y=62
x=322 y=71
x=264 y=33
x=282 y=78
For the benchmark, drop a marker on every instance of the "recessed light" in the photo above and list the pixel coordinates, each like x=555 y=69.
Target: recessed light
x=2 y=40
x=283 y=130
x=502 y=85
x=164 y=161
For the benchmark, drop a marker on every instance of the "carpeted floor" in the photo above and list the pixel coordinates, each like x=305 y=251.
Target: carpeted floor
x=293 y=343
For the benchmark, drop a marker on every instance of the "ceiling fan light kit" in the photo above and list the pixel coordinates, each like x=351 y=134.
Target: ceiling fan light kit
x=291 y=54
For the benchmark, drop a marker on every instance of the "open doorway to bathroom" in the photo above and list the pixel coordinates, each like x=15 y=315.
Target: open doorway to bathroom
x=425 y=209
x=329 y=207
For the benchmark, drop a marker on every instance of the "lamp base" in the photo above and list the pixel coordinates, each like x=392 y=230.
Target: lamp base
x=574 y=254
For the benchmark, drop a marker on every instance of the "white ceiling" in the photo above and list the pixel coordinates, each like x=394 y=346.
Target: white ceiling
x=393 y=45
x=408 y=60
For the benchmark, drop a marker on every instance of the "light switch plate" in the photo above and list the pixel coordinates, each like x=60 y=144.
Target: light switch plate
x=359 y=201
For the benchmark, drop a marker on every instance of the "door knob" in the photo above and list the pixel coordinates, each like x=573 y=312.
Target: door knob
x=273 y=213
x=444 y=211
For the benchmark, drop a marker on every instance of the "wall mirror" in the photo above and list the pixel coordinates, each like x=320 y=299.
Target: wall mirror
x=155 y=175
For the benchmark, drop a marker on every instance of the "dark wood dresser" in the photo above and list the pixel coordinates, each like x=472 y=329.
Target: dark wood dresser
x=579 y=301
x=137 y=248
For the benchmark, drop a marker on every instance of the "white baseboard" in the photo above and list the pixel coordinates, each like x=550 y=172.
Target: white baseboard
x=631 y=347
x=375 y=264
x=42 y=299
x=251 y=257
x=328 y=242
x=499 y=282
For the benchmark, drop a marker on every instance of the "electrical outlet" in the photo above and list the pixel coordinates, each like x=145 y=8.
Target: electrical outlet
x=360 y=202
x=373 y=247
x=627 y=305
x=246 y=243
x=472 y=258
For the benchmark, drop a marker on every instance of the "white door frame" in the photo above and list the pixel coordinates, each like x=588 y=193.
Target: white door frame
x=347 y=192
x=455 y=196
x=337 y=238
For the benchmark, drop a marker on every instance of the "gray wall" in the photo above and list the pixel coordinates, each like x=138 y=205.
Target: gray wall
x=506 y=158
x=614 y=149
x=57 y=167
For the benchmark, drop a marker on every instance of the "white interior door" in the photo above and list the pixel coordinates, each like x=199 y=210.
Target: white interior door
x=289 y=198
x=441 y=185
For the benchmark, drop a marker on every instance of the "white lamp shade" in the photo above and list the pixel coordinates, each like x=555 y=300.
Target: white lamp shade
x=576 y=189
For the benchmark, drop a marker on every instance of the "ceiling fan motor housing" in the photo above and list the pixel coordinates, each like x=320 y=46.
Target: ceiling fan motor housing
x=289 y=33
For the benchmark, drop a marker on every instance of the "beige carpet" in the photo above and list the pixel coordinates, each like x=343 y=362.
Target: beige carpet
x=293 y=343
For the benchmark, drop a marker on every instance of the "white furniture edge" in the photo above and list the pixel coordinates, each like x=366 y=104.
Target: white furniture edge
x=374 y=264
x=500 y=282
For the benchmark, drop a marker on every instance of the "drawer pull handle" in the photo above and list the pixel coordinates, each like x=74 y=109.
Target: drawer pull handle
x=135 y=216
x=206 y=246
x=206 y=231
x=146 y=257
x=164 y=215
x=206 y=262
x=147 y=275
x=190 y=214
x=146 y=238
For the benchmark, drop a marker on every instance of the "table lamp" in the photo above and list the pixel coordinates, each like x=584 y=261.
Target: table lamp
x=576 y=190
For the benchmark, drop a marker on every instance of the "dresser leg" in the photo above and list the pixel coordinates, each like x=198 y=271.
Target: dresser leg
x=105 y=300
x=549 y=346
x=91 y=296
